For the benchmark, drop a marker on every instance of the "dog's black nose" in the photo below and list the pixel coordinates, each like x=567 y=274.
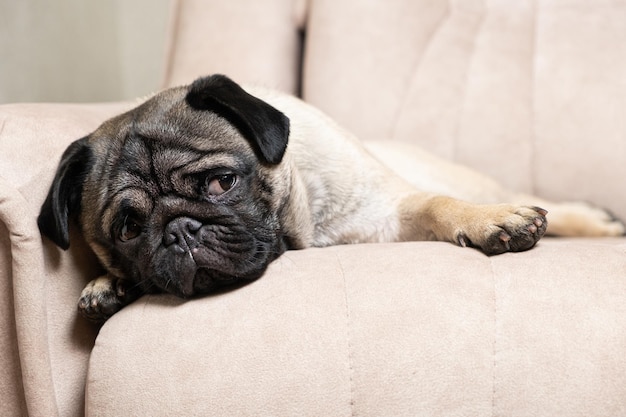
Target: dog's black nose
x=180 y=234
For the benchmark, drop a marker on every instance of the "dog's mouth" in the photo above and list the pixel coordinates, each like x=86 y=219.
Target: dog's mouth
x=202 y=270
x=207 y=280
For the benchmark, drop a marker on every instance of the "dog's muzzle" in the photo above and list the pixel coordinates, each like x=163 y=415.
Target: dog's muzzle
x=197 y=257
x=181 y=235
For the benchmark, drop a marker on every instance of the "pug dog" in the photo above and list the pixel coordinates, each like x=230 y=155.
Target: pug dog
x=203 y=186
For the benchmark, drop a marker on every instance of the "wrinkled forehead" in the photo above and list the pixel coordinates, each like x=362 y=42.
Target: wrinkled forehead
x=156 y=145
x=167 y=121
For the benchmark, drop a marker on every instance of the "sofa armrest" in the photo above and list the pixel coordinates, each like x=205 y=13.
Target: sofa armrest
x=44 y=347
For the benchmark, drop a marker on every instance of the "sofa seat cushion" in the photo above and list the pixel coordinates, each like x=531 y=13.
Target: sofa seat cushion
x=383 y=329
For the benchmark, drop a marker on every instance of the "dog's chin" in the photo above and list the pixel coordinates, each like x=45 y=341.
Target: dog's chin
x=204 y=271
x=202 y=281
x=207 y=281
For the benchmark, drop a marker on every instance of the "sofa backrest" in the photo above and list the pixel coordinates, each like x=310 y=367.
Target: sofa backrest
x=532 y=93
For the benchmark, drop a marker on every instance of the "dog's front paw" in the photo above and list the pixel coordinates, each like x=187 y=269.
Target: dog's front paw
x=505 y=228
x=104 y=297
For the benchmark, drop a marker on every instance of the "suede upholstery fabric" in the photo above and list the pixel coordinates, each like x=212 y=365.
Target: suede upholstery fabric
x=520 y=90
x=45 y=346
x=259 y=41
x=530 y=92
x=394 y=330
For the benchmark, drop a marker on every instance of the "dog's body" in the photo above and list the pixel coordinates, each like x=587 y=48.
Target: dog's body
x=205 y=185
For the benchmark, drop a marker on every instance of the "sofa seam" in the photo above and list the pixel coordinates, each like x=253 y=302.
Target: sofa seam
x=495 y=339
x=533 y=97
x=454 y=151
x=348 y=338
x=415 y=66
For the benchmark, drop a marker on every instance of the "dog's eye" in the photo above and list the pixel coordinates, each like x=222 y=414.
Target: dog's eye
x=220 y=184
x=130 y=229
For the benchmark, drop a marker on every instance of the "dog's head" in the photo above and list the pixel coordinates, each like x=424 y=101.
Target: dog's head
x=181 y=194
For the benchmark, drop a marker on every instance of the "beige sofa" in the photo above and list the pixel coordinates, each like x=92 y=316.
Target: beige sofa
x=530 y=92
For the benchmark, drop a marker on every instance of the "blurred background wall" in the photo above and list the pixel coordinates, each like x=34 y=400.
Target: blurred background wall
x=81 y=50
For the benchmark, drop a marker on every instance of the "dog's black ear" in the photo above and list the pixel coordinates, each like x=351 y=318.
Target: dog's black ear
x=266 y=128
x=64 y=197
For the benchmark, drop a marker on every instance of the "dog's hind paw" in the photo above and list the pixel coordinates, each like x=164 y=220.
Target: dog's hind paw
x=104 y=297
x=580 y=219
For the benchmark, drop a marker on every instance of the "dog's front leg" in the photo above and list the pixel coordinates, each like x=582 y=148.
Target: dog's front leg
x=493 y=229
x=105 y=296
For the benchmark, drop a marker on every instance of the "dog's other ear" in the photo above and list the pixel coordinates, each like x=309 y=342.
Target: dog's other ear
x=64 y=197
x=266 y=128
